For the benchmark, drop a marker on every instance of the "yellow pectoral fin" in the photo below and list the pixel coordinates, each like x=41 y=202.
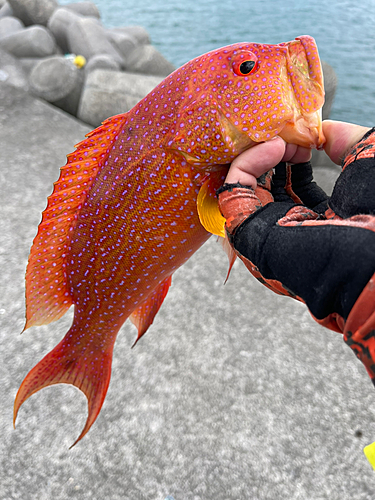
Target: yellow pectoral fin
x=369 y=451
x=207 y=205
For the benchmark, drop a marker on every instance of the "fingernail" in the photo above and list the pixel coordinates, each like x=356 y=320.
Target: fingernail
x=278 y=137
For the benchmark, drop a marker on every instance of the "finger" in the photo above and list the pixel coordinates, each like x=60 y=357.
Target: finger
x=256 y=161
x=296 y=154
x=340 y=137
x=302 y=155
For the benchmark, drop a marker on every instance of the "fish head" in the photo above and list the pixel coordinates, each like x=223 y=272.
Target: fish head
x=248 y=93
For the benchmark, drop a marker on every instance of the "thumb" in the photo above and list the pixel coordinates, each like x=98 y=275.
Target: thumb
x=341 y=136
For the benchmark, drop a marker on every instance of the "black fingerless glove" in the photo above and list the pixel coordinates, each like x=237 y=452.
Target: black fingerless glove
x=318 y=250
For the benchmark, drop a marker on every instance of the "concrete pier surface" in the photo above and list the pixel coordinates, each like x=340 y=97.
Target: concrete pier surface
x=233 y=394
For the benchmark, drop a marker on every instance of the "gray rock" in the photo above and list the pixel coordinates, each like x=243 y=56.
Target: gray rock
x=34 y=41
x=107 y=93
x=84 y=9
x=11 y=71
x=9 y=25
x=29 y=63
x=52 y=78
x=57 y=80
x=70 y=102
x=146 y=59
x=88 y=38
x=123 y=42
x=59 y=23
x=137 y=32
x=6 y=10
x=102 y=61
x=33 y=11
x=330 y=85
x=63 y=17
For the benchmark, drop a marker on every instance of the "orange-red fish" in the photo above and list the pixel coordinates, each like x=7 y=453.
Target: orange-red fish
x=123 y=215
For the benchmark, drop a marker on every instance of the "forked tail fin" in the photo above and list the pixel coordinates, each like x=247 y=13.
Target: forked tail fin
x=87 y=369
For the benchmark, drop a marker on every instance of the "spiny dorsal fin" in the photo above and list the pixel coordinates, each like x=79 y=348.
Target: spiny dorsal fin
x=47 y=294
x=144 y=315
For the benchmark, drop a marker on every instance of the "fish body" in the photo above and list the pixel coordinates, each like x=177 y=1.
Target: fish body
x=123 y=215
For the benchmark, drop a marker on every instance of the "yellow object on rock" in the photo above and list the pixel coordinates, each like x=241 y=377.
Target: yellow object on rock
x=369 y=451
x=79 y=61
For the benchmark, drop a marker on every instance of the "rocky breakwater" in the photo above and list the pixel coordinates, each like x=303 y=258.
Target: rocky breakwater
x=64 y=55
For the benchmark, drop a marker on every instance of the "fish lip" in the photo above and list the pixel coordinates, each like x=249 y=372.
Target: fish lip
x=312 y=74
x=312 y=57
x=305 y=129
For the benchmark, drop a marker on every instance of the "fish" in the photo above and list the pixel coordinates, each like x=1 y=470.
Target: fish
x=137 y=198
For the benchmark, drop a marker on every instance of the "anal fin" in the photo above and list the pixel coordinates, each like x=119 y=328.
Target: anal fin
x=144 y=315
x=232 y=256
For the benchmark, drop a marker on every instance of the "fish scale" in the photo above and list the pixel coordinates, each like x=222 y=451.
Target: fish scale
x=137 y=199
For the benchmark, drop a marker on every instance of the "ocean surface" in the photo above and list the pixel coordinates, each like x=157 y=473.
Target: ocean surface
x=344 y=31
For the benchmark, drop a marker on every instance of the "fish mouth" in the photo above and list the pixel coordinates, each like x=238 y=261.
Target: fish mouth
x=306 y=94
x=305 y=131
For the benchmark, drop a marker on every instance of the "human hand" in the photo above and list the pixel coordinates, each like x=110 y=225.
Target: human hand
x=251 y=164
x=296 y=183
x=247 y=167
x=318 y=250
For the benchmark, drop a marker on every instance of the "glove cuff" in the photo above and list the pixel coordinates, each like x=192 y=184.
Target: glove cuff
x=229 y=187
x=237 y=203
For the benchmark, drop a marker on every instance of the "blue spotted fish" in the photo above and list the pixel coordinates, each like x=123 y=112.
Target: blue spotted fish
x=123 y=215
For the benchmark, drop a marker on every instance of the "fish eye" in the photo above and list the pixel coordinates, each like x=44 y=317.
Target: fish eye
x=245 y=65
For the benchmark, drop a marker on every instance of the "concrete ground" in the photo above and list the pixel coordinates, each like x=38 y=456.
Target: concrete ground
x=234 y=393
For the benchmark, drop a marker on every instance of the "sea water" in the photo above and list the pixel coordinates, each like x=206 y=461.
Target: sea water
x=344 y=31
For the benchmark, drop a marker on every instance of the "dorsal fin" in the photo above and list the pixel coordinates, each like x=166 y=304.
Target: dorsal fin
x=47 y=293
x=143 y=316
